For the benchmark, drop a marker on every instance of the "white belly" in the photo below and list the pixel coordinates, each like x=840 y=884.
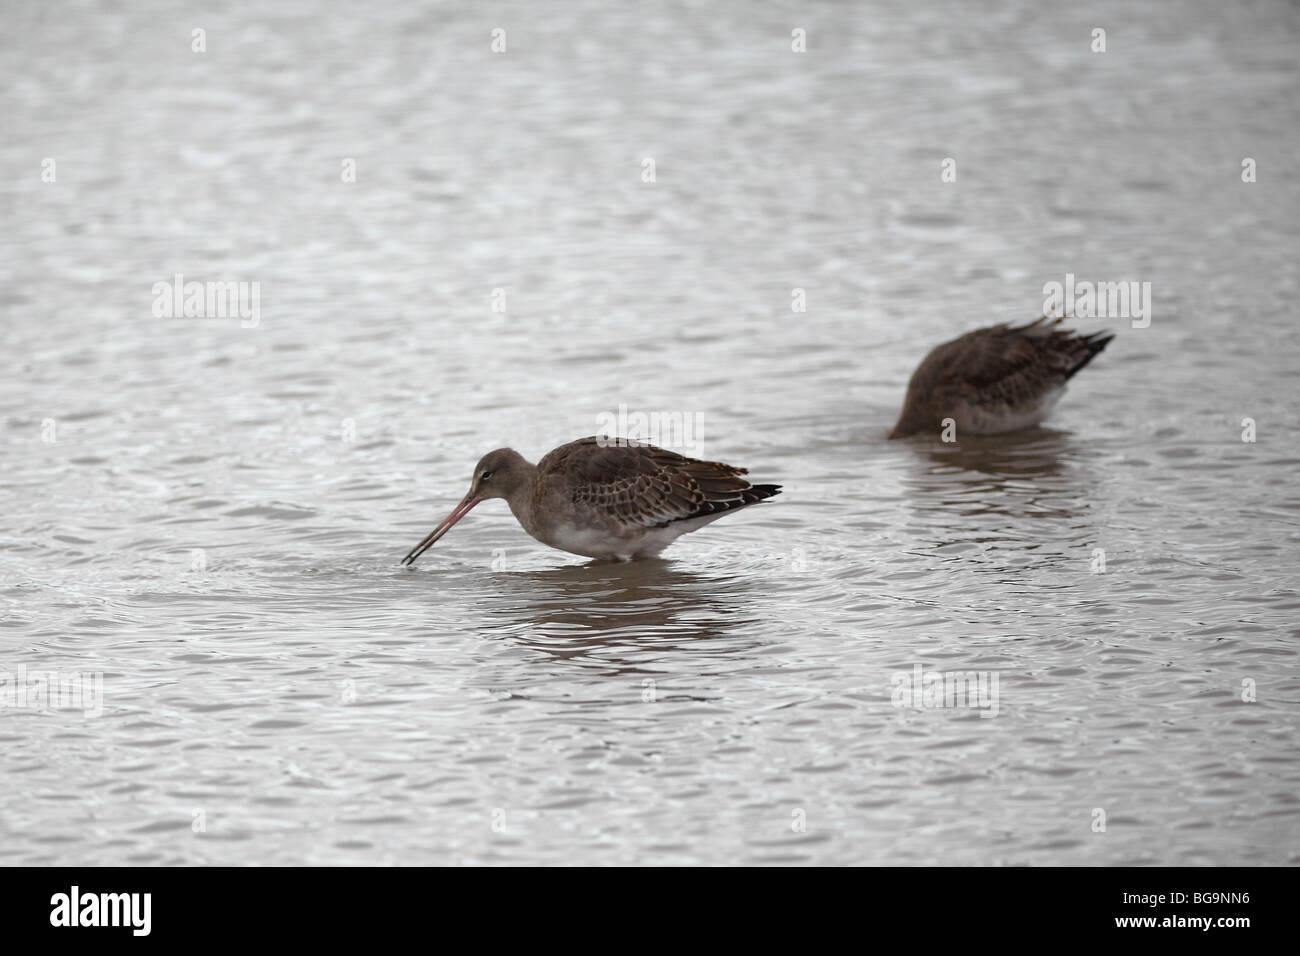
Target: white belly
x=982 y=420
x=629 y=545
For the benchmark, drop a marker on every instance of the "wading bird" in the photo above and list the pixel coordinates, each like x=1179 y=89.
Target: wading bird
x=998 y=379
x=605 y=497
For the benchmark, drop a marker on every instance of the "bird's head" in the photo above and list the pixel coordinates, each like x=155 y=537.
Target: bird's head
x=498 y=474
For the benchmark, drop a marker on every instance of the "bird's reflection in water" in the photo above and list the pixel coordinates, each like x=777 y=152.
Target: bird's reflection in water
x=999 y=486
x=622 y=617
x=1032 y=453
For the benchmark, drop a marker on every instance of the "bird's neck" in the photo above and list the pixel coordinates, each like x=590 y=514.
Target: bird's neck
x=522 y=498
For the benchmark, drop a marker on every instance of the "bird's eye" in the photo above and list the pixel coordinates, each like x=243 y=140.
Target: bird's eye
x=485 y=476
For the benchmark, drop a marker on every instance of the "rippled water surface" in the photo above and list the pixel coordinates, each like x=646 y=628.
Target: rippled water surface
x=211 y=516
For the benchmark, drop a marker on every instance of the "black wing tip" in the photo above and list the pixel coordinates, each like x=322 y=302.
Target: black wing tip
x=1094 y=344
x=747 y=496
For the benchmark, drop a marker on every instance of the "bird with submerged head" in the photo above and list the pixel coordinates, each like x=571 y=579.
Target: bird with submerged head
x=999 y=379
x=606 y=498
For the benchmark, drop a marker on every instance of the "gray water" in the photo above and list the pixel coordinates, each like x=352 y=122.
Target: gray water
x=208 y=514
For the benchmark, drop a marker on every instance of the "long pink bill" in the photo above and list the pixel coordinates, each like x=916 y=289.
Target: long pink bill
x=460 y=511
